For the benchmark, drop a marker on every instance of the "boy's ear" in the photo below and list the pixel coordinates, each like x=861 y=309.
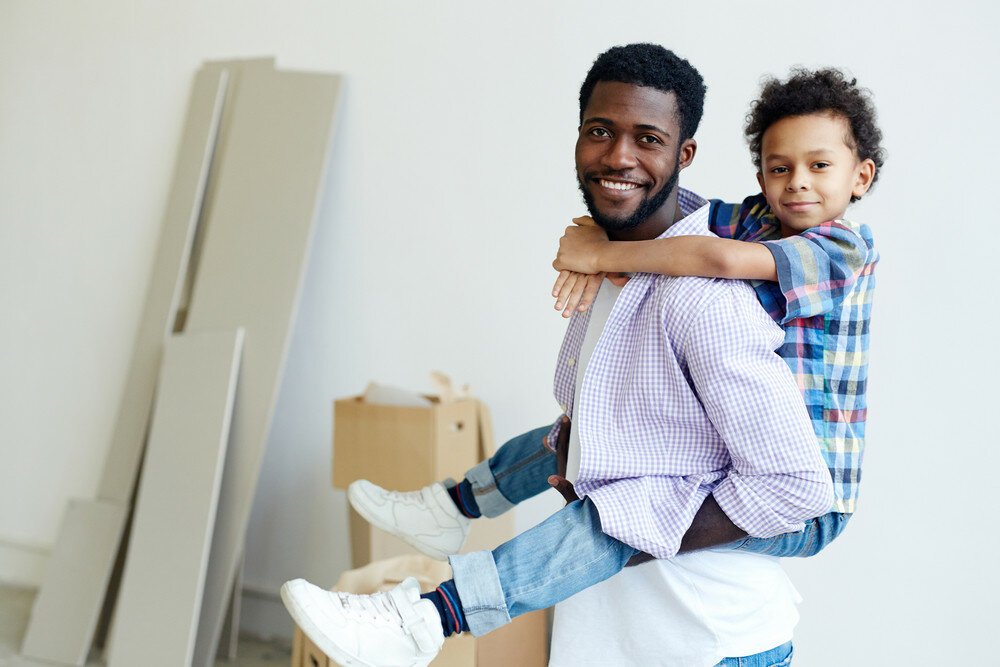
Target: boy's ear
x=865 y=175
x=760 y=180
x=686 y=153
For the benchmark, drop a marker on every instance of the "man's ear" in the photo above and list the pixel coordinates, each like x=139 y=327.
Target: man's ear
x=865 y=176
x=760 y=180
x=686 y=153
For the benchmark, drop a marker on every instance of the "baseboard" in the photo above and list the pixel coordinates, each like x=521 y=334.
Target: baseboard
x=22 y=565
x=262 y=614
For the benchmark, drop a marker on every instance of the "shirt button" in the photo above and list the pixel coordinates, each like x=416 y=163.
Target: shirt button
x=571 y=362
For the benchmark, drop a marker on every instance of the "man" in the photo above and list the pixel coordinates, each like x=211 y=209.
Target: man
x=659 y=377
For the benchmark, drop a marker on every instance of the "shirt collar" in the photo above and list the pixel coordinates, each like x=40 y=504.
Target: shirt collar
x=695 y=220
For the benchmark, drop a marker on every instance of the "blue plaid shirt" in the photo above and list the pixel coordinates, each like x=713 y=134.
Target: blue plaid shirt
x=823 y=302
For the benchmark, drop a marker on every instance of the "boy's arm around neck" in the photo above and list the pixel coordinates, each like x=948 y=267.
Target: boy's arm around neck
x=705 y=256
x=586 y=249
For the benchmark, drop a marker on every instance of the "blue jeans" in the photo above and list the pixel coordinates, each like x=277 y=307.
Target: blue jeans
x=779 y=656
x=544 y=565
x=567 y=552
x=818 y=533
x=519 y=470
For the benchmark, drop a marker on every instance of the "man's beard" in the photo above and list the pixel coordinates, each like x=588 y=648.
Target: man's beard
x=647 y=207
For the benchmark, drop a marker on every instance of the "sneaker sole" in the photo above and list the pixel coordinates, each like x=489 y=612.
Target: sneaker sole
x=317 y=637
x=376 y=521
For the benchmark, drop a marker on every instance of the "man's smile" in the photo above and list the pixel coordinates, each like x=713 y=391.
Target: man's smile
x=618 y=186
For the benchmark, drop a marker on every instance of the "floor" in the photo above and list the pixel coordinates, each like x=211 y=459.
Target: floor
x=15 y=607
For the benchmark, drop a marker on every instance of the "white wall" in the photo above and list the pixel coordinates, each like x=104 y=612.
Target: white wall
x=450 y=181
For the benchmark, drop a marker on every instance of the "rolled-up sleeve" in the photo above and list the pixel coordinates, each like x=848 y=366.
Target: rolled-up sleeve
x=819 y=267
x=777 y=478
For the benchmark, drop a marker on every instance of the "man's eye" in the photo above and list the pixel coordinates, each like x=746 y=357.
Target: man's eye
x=600 y=132
x=650 y=139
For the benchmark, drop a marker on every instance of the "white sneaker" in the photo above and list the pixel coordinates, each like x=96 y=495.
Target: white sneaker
x=391 y=629
x=426 y=519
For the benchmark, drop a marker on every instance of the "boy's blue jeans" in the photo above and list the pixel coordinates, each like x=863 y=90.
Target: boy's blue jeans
x=567 y=552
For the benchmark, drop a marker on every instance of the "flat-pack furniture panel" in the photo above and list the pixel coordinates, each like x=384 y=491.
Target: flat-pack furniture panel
x=170 y=268
x=161 y=592
x=66 y=610
x=72 y=595
x=270 y=174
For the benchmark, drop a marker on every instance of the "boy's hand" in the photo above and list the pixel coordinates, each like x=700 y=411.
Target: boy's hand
x=579 y=248
x=575 y=291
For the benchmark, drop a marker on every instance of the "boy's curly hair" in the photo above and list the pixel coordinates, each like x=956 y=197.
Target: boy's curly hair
x=808 y=91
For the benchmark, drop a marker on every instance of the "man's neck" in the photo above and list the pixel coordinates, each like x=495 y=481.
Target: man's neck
x=661 y=220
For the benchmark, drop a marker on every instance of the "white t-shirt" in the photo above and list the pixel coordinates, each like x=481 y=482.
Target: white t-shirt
x=690 y=611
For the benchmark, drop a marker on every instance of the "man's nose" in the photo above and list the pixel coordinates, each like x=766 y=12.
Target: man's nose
x=619 y=155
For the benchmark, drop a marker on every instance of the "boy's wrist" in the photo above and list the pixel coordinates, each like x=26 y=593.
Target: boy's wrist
x=608 y=258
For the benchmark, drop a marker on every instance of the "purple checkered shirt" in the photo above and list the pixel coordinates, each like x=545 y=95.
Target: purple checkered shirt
x=684 y=396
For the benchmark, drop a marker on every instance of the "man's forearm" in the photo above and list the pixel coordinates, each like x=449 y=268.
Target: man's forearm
x=710 y=528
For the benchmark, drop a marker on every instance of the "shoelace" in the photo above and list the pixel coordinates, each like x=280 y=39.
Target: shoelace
x=378 y=607
x=409 y=497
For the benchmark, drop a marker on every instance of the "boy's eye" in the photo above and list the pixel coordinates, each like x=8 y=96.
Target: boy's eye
x=820 y=165
x=779 y=170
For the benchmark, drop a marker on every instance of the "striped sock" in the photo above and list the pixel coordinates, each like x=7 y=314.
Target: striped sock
x=464 y=499
x=449 y=607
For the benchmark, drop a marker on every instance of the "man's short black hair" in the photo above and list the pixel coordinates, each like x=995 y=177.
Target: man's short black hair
x=653 y=66
x=808 y=91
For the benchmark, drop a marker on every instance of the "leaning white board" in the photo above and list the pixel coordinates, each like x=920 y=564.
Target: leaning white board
x=62 y=624
x=271 y=172
x=65 y=612
x=161 y=592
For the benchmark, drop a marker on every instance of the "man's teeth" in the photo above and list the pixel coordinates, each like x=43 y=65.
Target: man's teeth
x=617 y=186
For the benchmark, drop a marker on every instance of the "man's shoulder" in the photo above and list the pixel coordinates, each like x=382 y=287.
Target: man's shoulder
x=686 y=298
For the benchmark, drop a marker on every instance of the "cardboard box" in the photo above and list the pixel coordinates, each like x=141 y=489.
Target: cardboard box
x=306 y=654
x=521 y=643
x=405 y=448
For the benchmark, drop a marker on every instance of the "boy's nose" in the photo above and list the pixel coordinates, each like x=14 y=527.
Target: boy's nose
x=799 y=181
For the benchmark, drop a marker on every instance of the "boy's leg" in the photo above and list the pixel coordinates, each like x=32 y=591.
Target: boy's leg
x=556 y=559
x=519 y=470
x=435 y=519
x=817 y=535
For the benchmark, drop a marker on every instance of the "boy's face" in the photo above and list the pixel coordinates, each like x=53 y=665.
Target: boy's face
x=809 y=172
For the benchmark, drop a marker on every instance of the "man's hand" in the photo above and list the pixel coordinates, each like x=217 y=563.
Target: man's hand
x=559 y=481
x=575 y=291
x=564 y=487
x=580 y=247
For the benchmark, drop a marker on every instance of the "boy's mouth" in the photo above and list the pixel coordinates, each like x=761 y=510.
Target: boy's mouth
x=799 y=206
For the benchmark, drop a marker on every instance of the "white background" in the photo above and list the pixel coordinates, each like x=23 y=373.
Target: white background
x=450 y=180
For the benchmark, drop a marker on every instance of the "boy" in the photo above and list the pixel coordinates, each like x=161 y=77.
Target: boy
x=512 y=481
